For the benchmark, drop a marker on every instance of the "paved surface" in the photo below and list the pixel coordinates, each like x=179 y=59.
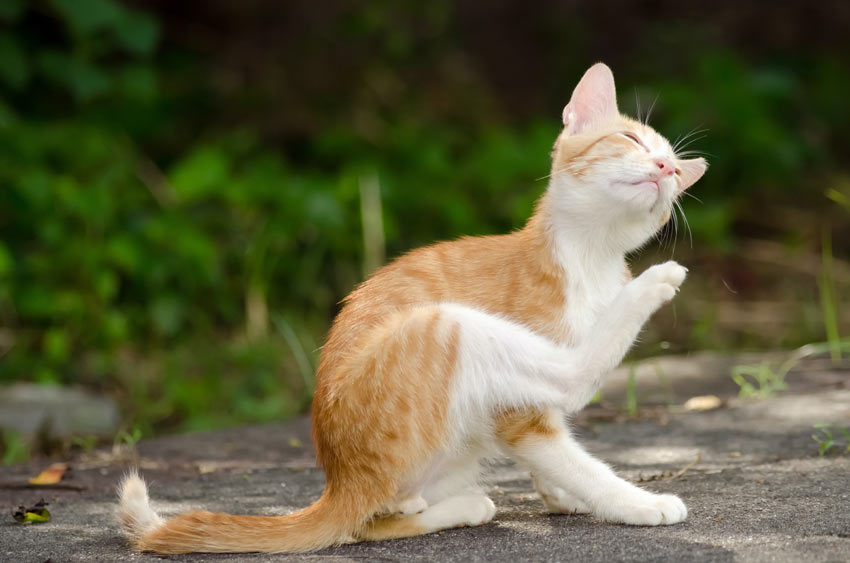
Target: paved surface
x=758 y=493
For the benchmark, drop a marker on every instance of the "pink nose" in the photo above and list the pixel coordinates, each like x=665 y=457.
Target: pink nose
x=665 y=166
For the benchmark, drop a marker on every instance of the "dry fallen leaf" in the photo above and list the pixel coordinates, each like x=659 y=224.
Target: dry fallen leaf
x=204 y=468
x=51 y=475
x=295 y=443
x=718 y=519
x=703 y=403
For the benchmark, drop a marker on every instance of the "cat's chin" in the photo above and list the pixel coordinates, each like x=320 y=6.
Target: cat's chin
x=647 y=201
x=642 y=194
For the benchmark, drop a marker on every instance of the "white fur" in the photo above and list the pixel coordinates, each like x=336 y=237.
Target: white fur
x=556 y=499
x=562 y=460
x=135 y=514
x=466 y=510
x=408 y=505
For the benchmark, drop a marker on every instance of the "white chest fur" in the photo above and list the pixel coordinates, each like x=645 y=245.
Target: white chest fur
x=587 y=299
x=593 y=280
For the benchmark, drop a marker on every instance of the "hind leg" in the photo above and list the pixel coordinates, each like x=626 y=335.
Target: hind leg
x=453 y=512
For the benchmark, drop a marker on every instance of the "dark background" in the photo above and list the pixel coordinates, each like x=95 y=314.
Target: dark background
x=180 y=182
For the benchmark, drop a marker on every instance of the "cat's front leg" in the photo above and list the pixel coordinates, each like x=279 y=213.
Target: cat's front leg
x=559 y=463
x=618 y=327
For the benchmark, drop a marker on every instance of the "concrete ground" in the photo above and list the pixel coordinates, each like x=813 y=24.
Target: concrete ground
x=758 y=492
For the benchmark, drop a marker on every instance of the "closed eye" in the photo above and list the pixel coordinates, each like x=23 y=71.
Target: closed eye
x=635 y=139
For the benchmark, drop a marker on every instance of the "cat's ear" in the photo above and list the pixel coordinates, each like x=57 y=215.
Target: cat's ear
x=593 y=100
x=692 y=170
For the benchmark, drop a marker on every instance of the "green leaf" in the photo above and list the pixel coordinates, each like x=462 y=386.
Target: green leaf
x=14 y=69
x=106 y=284
x=7 y=263
x=125 y=252
x=11 y=10
x=167 y=313
x=38 y=516
x=137 y=82
x=84 y=80
x=55 y=345
x=826 y=446
x=137 y=32
x=115 y=327
x=35 y=302
x=204 y=171
x=87 y=16
x=17 y=449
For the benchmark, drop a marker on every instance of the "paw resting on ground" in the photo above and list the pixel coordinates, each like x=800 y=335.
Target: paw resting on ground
x=648 y=510
x=475 y=510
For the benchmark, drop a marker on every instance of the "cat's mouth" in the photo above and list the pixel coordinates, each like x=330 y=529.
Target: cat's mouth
x=646 y=185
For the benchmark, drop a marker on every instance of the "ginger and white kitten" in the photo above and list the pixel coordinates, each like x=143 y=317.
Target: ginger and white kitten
x=468 y=349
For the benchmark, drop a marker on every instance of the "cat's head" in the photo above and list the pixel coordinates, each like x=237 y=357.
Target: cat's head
x=614 y=170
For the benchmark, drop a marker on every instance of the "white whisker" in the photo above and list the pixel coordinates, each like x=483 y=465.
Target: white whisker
x=678 y=206
x=679 y=144
x=675 y=230
x=694 y=152
x=637 y=104
x=689 y=194
x=651 y=107
x=690 y=141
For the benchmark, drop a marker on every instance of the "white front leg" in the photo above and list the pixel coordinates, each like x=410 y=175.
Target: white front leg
x=618 y=327
x=561 y=463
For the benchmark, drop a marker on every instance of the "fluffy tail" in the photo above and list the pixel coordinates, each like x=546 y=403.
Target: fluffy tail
x=325 y=523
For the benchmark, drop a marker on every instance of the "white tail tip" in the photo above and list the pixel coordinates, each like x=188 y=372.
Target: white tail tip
x=135 y=514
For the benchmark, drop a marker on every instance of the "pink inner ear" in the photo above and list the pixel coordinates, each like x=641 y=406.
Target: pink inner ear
x=594 y=100
x=692 y=170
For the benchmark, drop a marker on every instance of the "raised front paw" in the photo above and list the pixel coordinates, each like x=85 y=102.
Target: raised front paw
x=658 y=284
x=645 y=510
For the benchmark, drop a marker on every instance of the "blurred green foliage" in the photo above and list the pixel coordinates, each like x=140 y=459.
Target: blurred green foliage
x=149 y=254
